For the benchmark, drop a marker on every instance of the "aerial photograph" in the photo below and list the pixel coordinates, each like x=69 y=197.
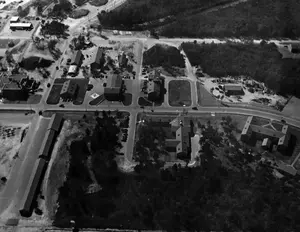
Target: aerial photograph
x=149 y=115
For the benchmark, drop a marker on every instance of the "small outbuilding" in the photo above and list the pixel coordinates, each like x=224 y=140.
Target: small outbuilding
x=233 y=90
x=76 y=58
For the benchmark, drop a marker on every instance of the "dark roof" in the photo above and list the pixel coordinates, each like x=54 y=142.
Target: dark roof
x=122 y=59
x=233 y=87
x=55 y=122
x=47 y=143
x=68 y=87
x=97 y=56
x=114 y=82
x=111 y=90
x=32 y=187
x=153 y=86
x=76 y=58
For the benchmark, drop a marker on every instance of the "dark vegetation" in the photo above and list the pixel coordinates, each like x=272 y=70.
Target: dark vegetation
x=62 y=9
x=54 y=28
x=98 y=2
x=262 y=62
x=80 y=2
x=163 y=55
x=78 y=13
x=23 y=12
x=209 y=197
x=33 y=62
x=140 y=15
x=260 y=18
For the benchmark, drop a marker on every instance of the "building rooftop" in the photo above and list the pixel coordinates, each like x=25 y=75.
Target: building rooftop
x=114 y=82
x=232 y=87
x=20 y=24
x=14 y=19
x=97 y=56
x=76 y=58
x=153 y=87
x=11 y=85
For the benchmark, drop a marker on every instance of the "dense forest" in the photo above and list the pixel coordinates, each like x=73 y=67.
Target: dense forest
x=261 y=61
x=134 y=13
x=163 y=55
x=258 y=18
x=209 y=197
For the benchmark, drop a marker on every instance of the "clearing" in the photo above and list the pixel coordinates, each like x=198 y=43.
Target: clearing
x=180 y=93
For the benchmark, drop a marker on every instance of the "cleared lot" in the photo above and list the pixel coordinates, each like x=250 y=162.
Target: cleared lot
x=180 y=93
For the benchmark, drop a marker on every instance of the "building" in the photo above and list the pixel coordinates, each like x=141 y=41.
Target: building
x=97 y=59
x=266 y=144
x=233 y=90
x=73 y=69
x=21 y=26
x=13 y=91
x=113 y=91
x=69 y=91
x=76 y=58
x=153 y=90
x=32 y=188
x=14 y=19
x=123 y=60
x=183 y=133
x=294 y=48
x=154 y=75
x=55 y=122
x=268 y=133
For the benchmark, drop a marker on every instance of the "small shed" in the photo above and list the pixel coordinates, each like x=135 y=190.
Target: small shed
x=72 y=70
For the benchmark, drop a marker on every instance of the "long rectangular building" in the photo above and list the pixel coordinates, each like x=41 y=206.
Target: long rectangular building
x=20 y=26
x=32 y=188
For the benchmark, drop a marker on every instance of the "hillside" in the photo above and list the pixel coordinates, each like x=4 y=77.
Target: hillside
x=163 y=55
x=260 y=61
x=136 y=12
x=259 y=18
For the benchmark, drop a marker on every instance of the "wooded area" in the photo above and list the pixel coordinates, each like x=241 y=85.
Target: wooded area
x=134 y=13
x=259 y=18
x=261 y=61
x=163 y=55
x=209 y=197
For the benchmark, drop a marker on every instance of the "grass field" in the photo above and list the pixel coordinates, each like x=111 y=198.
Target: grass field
x=127 y=99
x=54 y=95
x=204 y=97
x=180 y=93
x=78 y=13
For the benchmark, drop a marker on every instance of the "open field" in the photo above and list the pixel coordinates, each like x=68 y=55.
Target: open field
x=4 y=42
x=258 y=19
x=13 y=129
x=204 y=97
x=180 y=93
x=262 y=62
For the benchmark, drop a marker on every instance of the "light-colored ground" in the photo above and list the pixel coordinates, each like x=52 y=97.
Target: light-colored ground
x=9 y=142
x=292 y=109
x=13 y=4
x=247 y=98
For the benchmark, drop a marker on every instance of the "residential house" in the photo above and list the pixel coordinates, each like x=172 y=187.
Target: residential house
x=233 y=90
x=77 y=58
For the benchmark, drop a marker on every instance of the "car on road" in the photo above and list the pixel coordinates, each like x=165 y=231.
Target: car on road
x=62 y=106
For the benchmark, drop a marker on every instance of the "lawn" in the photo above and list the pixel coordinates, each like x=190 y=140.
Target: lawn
x=261 y=61
x=54 y=95
x=259 y=19
x=180 y=93
x=204 y=97
x=127 y=99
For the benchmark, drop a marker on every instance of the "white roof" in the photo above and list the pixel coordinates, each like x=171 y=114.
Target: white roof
x=14 y=18
x=20 y=25
x=72 y=69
